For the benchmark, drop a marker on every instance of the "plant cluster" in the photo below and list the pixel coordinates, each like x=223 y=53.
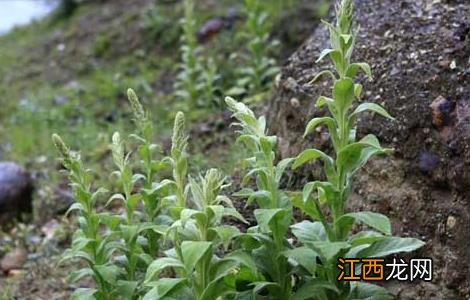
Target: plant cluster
x=172 y=241
x=196 y=81
x=124 y=251
x=259 y=68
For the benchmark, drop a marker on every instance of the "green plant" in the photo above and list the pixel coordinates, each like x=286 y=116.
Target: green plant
x=196 y=82
x=256 y=76
x=89 y=243
x=103 y=236
x=197 y=233
x=187 y=81
x=198 y=236
x=158 y=22
x=178 y=160
x=153 y=192
x=330 y=235
x=267 y=242
x=209 y=78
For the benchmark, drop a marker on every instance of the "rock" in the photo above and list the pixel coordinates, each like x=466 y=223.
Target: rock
x=13 y=260
x=442 y=111
x=50 y=228
x=211 y=28
x=15 y=191
x=451 y=221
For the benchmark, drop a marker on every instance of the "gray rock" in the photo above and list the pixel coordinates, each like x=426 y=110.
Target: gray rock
x=15 y=191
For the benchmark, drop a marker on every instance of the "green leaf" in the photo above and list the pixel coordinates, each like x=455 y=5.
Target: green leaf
x=343 y=93
x=358 y=90
x=372 y=219
x=389 y=246
x=79 y=274
x=260 y=286
x=114 y=197
x=355 y=155
x=159 y=265
x=127 y=289
x=242 y=258
x=75 y=206
x=226 y=233
x=372 y=107
x=322 y=100
x=265 y=217
x=309 y=232
x=162 y=287
x=193 y=251
x=304 y=256
x=368 y=291
x=217 y=212
x=281 y=167
x=232 y=212
x=312 y=124
x=322 y=73
x=107 y=272
x=188 y=213
x=324 y=53
x=346 y=38
x=354 y=67
x=315 y=286
x=83 y=294
x=307 y=205
x=310 y=154
x=327 y=249
x=365 y=237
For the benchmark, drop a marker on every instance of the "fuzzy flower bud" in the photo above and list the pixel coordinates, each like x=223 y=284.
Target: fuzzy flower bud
x=137 y=108
x=179 y=139
x=60 y=146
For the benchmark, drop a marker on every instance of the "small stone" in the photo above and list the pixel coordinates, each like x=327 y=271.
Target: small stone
x=61 y=47
x=451 y=222
x=444 y=64
x=290 y=84
x=294 y=102
x=442 y=111
x=14 y=259
x=453 y=65
x=16 y=273
x=50 y=228
x=16 y=189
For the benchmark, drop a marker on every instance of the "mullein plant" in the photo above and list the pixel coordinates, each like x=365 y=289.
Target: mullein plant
x=259 y=69
x=187 y=80
x=152 y=192
x=329 y=236
x=197 y=235
x=140 y=229
x=267 y=242
x=196 y=82
x=90 y=243
x=130 y=227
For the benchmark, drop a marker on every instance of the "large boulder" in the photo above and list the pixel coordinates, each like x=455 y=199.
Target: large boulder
x=15 y=191
x=418 y=51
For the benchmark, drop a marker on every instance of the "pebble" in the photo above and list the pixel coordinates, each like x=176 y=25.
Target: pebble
x=451 y=222
x=14 y=259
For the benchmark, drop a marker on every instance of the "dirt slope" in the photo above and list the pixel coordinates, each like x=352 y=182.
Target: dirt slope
x=419 y=52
